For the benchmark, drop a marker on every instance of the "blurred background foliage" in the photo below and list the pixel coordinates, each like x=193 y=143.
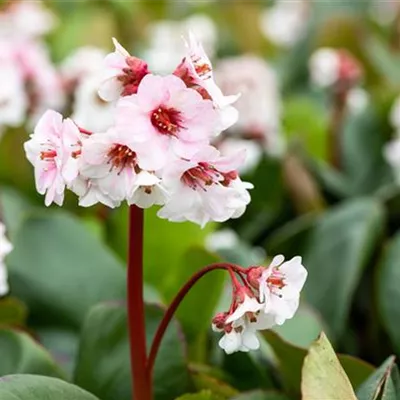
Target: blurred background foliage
x=65 y=317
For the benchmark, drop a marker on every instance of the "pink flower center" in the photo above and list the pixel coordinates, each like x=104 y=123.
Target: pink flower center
x=48 y=155
x=132 y=75
x=167 y=121
x=201 y=176
x=205 y=175
x=276 y=279
x=121 y=157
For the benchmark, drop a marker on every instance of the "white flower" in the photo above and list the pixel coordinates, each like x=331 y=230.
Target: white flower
x=148 y=190
x=280 y=286
x=259 y=105
x=5 y=249
x=90 y=111
x=205 y=188
x=13 y=100
x=82 y=62
x=285 y=23
x=324 y=67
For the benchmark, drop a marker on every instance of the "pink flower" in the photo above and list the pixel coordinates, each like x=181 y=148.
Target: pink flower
x=165 y=115
x=205 y=188
x=123 y=74
x=110 y=164
x=197 y=73
x=53 y=150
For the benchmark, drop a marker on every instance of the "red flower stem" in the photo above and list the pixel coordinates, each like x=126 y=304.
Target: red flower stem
x=142 y=386
x=175 y=304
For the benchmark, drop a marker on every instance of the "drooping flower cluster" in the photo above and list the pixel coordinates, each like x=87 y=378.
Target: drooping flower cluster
x=29 y=83
x=5 y=249
x=341 y=72
x=268 y=297
x=156 y=151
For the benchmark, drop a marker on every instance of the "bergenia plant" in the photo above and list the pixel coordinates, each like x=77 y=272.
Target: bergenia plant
x=159 y=151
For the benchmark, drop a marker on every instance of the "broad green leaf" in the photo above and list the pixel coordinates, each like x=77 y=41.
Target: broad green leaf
x=205 y=379
x=60 y=270
x=14 y=208
x=339 y=248
x=103 y=365
x=203 y=395
x=12 y=312
x=197 y=309
x=165 y=244
x=33 y=387
x=378 y=385
x=322 y=375
x=303 y=328
x=261 y=395
x=290 y=360
x=383 y=58
x=389 y=291
x=20 y=354
x=363 y=163
x=248 y=371
x=306 y=120
x=62 y=345
x=291 y=239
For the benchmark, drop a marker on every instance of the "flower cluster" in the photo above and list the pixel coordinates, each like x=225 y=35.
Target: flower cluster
x=29 y=83
x=268 y=297
x=158 y=148
x=5 y=249
x=341 y=72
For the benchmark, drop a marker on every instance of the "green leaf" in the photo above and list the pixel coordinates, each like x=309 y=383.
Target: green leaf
x=385 y=60
x=389 y=290
x=363 y=163
x=204 y=379
x=14 y=208
x=32 y=387
x=306 y=119
x=291 y=239
x=339 y=249
x=12 y=312
x=203 y=395
x=322 y=375
x=378 y=383
x=70 y=272
x=103 y=365
x=62 y=345
x=261 y=395
x=290 y=360
x=20 y=354
x=303 y=328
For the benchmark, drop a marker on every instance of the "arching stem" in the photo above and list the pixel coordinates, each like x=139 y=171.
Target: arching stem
x=177 y=301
